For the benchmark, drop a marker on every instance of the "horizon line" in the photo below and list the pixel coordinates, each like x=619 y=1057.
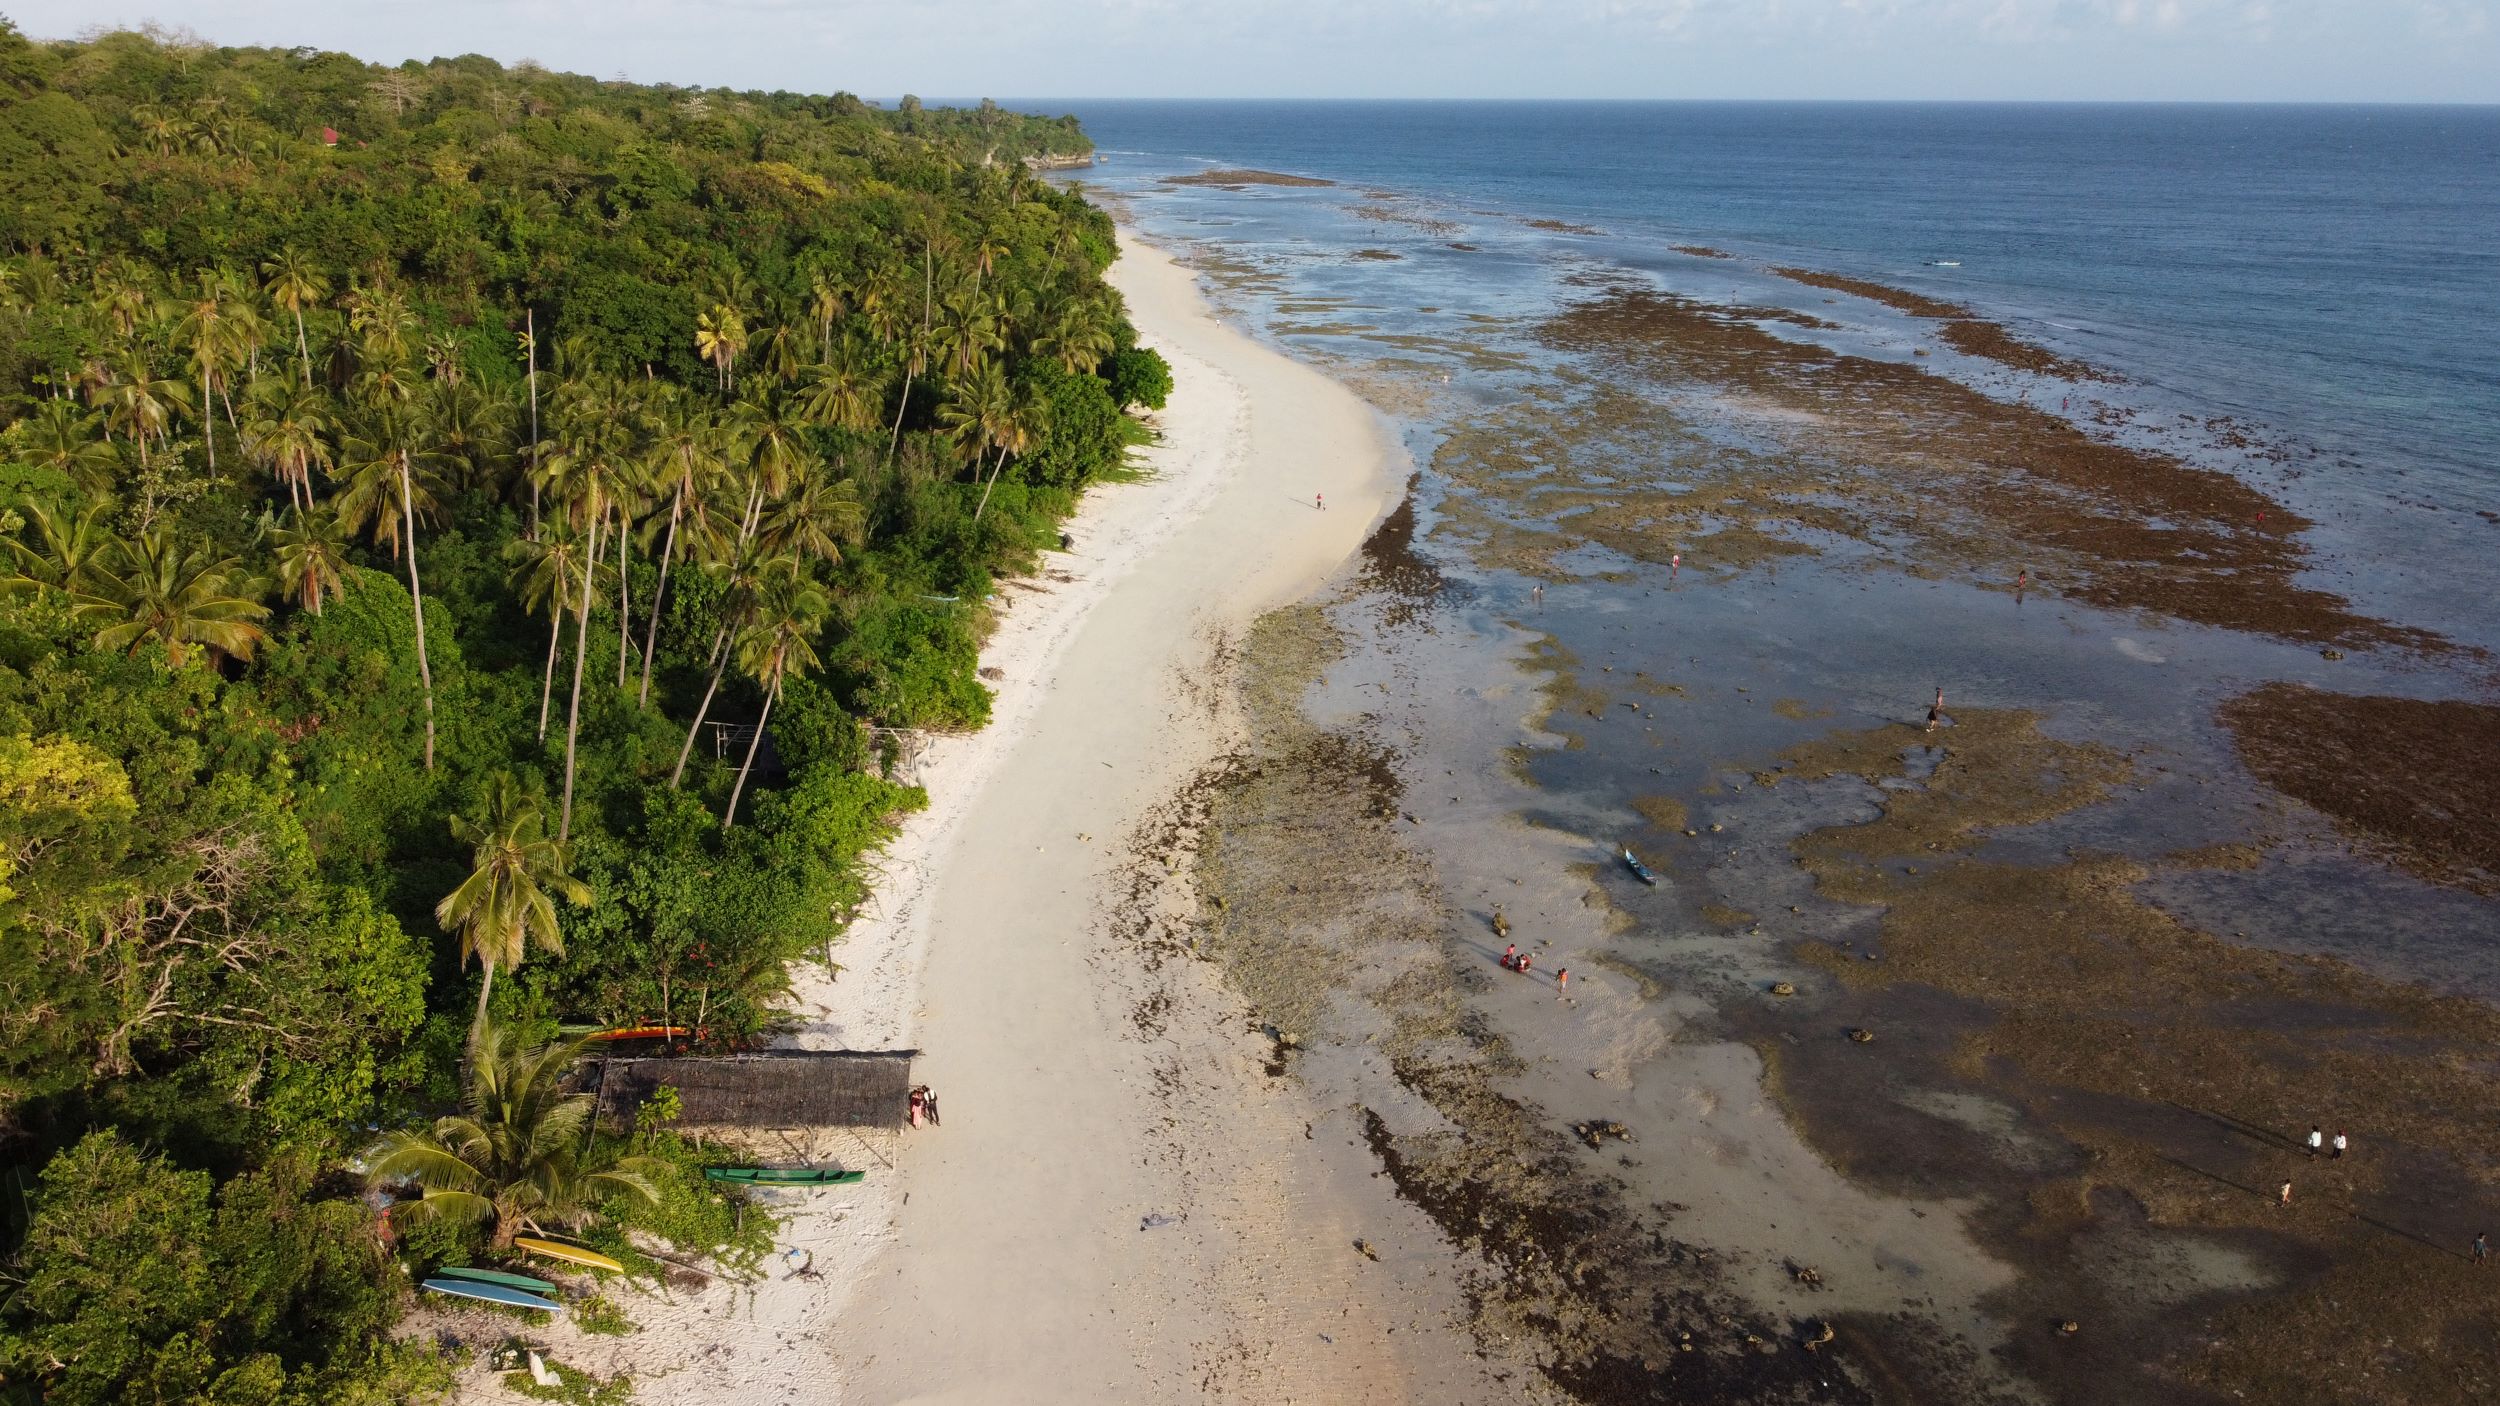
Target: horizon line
x=953 y=99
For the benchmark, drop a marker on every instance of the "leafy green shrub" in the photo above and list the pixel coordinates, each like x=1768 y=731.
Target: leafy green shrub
x=1139 y=376
x=912 y=664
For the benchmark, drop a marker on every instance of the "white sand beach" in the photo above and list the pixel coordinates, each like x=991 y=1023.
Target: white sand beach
x=1120 y=1205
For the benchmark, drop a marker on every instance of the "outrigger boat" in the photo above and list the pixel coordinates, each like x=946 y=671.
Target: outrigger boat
x=1639 y=870
x=491 y=1293
x=570 y=1254
x=497 y=1277
x=784 y=1176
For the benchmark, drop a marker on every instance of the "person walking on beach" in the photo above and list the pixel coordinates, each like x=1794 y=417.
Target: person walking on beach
x=2284 y=1198
x=1935 y=714
x=2341 y=1142
x=1562 y=981
x=1320 y=501
x=2316 y=1140
x=2482 y=1247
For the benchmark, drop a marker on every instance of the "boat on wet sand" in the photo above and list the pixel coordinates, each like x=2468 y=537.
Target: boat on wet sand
x=783 y=1176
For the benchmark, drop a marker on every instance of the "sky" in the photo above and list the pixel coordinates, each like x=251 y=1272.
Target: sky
x=2124 y=50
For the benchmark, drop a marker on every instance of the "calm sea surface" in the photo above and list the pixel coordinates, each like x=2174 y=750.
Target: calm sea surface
x=2329 y=273
x=2309 y=296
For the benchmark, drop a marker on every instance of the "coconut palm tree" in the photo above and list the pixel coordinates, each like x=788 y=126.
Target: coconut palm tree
x=502 y=908
x=312 y=561
x=892 y=321
x=512 y=1156
x=212 y=347
x=636 y=481
x=971 y=330
x=543 y=571
x=285 y=434
x=687 y=458
x=986 y=252
x=586 y=473
x=1076 y=333
x=391 y=486
x=789 y=612
x=60 y=437
x=383 y=324
x=841 y=391
x=982 y=416
x=293 y=283
x=1027 y=417
x=827 y=299
x=141 y=403
x=775 y=438
x=812 y=520
x=163 y=131
x=471 y=426
x=178 y=596
x=66 y=548
x=783 y=348
x=529 y=352
x=745 y=573
x=122 y=296
x=719 y=335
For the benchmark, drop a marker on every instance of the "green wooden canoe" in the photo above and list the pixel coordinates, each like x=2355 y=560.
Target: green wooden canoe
x=784 y=1176
x=495 y=1276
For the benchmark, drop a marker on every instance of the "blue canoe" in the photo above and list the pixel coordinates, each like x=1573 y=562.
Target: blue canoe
x=492 y=1293
x=1639 y=870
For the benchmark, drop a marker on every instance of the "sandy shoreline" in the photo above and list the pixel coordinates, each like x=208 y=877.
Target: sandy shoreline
x=1102 y=1216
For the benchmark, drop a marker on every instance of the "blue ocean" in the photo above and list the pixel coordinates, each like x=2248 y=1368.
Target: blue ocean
x=2321 y=281
x=2332 y=272
x=2304 y=297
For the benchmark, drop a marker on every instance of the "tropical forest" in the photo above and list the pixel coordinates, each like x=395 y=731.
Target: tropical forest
x=478 y=541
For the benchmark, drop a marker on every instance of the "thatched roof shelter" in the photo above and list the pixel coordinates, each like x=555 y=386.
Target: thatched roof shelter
x=764 y=1092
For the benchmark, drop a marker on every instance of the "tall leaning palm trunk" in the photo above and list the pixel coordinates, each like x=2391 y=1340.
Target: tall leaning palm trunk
x=416 y=598
x=547 y=683
x=659 y=593
x=772 y=695
x=624 y=597
x=529 y=340
x=719 y=661
x=581 y=651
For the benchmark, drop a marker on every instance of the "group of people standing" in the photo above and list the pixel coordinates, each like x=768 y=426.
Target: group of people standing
x=1525 y=964
x=2316 y=1143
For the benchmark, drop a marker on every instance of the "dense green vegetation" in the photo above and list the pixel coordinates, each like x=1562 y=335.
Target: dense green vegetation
x=406 y=473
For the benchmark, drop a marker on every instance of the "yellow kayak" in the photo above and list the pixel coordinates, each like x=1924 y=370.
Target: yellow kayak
x=570 y=1254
